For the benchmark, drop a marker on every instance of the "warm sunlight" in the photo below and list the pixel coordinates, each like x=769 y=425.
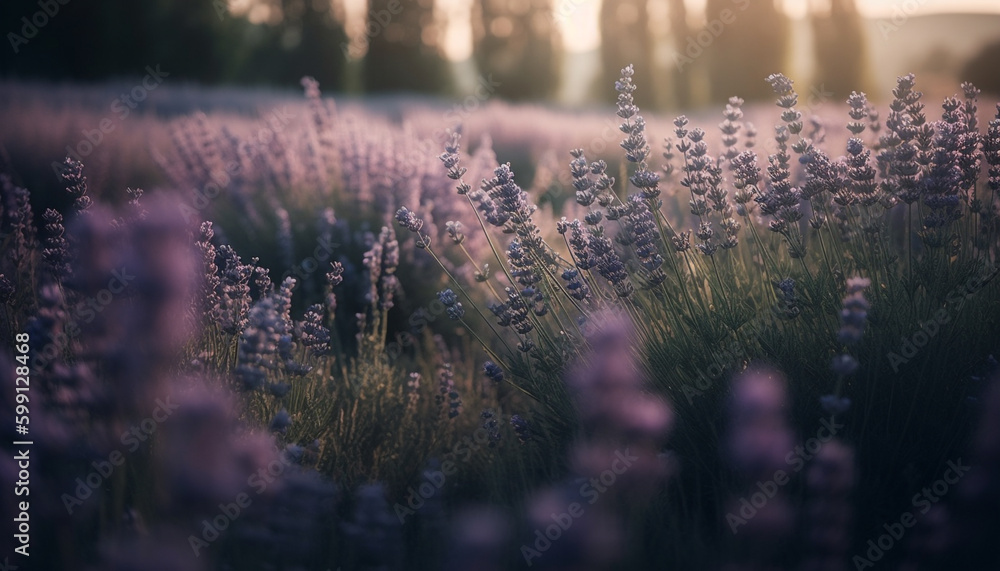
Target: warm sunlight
x=578 y=19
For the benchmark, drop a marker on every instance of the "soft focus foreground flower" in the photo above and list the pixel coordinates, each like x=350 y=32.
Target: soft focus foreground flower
x=757 y=445
x=615 y=410
x=854 y=315
x=759 y=436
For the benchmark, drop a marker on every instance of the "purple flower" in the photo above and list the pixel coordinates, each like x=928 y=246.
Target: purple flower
x=844 y=365
x=522 y=265
x=731 y=126
x=492 y=426
x=521 y=428
x=991 y=152
x=832 y=404
x=854 y=314
x=647 y=239
x=780 y=199
x=76 y=184
x=578 y=289
x=860 y=173
x=858 y=103
x=55 y=252
x=313 y=335
x=787 y=99
x=608 y=263
x=450 y=301
x=6 y=290
x=510 y=199
x=408 y=220
x=822 y=174
x=493 y=372
x=281 y=421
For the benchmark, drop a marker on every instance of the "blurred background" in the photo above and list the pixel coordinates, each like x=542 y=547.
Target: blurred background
x=492 y=65
x=688 y=53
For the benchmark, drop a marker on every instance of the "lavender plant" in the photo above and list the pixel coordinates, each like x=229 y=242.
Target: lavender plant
x=805 y=227
x=563 y=336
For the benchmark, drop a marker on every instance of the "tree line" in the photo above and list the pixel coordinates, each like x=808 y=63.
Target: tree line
x=726 y=51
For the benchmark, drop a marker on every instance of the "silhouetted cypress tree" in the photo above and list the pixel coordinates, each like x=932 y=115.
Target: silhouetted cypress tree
x=516 y=42
x=744 y=51
x=680 y=32
x=839 y=48
x=188 y=36
x=403 y=48
x=982 y=69
x=309 y=40
x=626 y=39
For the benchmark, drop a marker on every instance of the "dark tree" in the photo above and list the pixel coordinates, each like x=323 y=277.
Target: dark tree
x=744 y=41
x=680 y=32
x=516 y=42
x=309 y=40
x=981 y=70
x=627 y=39
x=839 y=48
x=404 y=52
x=190 y=39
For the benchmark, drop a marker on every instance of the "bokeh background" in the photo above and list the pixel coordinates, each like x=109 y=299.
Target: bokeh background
x=563 y=51
x=60 y=75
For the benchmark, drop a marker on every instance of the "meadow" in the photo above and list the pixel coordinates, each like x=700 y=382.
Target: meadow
x=403 y=333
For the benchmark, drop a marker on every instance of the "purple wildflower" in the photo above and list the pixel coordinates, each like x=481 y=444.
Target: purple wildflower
x=521 y=428
x=453 y=306
x=493 y=372
x=854 y=315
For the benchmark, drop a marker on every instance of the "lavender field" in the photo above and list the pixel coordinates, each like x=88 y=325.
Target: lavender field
x=320 y=292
